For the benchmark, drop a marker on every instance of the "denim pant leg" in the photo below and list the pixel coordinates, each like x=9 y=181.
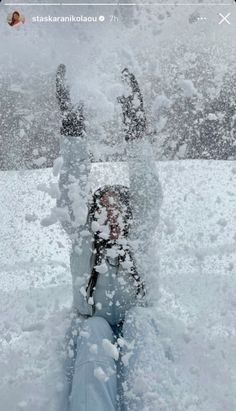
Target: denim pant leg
x=94 y=385
x=140 y=360
x=69 y=349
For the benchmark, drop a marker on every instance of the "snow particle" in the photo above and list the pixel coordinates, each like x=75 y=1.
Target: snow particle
x=102 y=268
x=93 y=349
x=39 y=161
x=100 y=374
x=187 y=88
x=110 y=349
x=22 y=405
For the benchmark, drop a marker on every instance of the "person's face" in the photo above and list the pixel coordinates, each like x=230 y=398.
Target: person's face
x=16 y=18
x=109 y=205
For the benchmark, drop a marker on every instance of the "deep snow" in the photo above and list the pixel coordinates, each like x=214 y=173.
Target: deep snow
x=194 y=307
x=195 y=292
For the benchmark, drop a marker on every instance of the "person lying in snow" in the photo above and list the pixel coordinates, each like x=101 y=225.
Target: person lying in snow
x=109 y=245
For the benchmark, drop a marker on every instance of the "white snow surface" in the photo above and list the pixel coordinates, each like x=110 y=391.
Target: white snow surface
x=194 y=309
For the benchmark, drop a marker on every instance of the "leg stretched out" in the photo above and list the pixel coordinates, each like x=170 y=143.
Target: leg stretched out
x=141 y=360
x=94 y=384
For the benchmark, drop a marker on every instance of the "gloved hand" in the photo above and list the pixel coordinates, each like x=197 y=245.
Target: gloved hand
x=72 y=118
x=134 y=118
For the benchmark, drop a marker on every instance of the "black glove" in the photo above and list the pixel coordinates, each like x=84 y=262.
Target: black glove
x=134 y=118
x=72 y=119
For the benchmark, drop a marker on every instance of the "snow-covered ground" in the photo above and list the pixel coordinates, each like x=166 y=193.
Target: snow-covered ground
x=195 y=309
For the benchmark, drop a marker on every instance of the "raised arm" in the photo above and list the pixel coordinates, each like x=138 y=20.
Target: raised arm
x=145 y=188
x=76 y=166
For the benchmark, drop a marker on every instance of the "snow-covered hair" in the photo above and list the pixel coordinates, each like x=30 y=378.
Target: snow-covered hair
x=101 y=244
x=122 y=193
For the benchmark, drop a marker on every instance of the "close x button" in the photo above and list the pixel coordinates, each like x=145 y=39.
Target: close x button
x=224 y=18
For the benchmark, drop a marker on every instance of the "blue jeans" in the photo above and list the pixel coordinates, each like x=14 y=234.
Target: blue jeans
x=95 y=378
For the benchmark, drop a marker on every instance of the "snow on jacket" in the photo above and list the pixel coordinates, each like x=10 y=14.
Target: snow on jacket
x=115 y=291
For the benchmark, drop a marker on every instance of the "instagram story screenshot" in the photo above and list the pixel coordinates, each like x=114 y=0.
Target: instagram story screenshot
x=117 y=205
